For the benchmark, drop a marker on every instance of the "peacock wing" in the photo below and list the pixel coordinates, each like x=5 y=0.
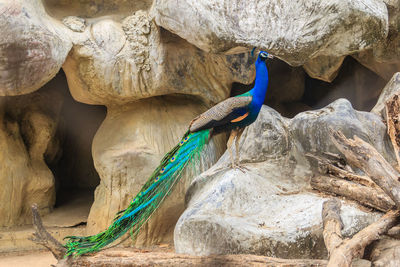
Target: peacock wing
x=219 y=114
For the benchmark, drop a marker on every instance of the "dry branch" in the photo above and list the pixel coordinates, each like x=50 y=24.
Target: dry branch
x=332 y=224
x=42 y=237
x=328 y=167
x=342 y=252
x=365 y=157
x=131 y=258
x=343 y=255
x=370 y=197
x=392 y=108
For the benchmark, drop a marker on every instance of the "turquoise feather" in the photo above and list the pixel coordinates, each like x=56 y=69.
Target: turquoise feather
x=152 y=194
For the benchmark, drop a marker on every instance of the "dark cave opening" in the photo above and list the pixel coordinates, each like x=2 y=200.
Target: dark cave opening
x=74 y=172
x=290 y=94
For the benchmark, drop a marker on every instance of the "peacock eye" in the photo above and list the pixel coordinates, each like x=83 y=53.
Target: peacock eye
x=264 y=55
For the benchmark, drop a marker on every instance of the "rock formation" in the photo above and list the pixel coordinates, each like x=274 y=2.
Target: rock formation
x=157 y=64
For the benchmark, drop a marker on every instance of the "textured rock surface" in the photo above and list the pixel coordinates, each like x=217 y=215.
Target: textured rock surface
x=129 y=56
x=32 y=48
x=324 y=68
x=392 y=88
x=384 y=57
x=383 y=69
x=94 y=8
x=385 y=253
x=27 y=144
x=295 y=31
x=126 y=158
x=110 y=63
x=270 y=209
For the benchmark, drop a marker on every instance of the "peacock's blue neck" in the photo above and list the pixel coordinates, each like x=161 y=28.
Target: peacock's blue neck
x=260 y=88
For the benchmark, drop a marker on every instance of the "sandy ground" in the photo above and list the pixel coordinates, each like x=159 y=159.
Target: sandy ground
x=32 y=259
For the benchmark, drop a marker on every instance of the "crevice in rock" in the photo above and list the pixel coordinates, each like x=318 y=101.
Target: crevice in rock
x=291 y=90
x=354 y=82
x=74 y=172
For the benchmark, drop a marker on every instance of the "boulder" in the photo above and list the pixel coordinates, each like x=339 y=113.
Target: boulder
x=295 y=31
x=113 y=64
x=324 y=68
x=32 y=48
x=126 y=157
x=28 y=143
x=270 y=208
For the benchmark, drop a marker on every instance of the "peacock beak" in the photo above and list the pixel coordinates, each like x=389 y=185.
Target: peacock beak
x=270 y=56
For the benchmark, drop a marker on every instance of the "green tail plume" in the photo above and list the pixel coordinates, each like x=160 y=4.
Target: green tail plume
x=149 y=198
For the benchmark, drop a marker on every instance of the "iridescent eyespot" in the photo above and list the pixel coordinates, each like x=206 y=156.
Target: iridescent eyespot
x=162 y=170
x=136 y=199
x=172 y=159
x=157 y=178
x=181 y=143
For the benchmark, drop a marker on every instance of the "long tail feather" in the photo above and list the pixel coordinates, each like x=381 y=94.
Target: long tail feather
x=147 y=200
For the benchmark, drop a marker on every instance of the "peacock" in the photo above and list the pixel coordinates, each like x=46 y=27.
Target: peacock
x=232 y=114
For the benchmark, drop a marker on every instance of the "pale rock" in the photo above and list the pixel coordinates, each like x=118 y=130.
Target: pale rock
x=392 y=88
x=270 y=209
x=324 y=68
x=295 y=31
x=32 y=48
x=129 y=146
x=385 y=253
x=94 y=8
x=75 y=24
x=27 y=133
x=113 y=63
x=384 y=57
x=383 y=69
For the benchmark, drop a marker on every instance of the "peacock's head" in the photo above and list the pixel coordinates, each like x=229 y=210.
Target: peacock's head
x=262 y=55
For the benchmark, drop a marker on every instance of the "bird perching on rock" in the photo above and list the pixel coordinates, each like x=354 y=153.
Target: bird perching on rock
x=232 y=114
x=235 y=113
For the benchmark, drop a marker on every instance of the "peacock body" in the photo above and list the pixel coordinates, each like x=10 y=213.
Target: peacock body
x=234 y=113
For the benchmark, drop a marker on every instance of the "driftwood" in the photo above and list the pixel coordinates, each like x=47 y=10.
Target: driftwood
x=332 y=224
x=131 y=258
x=44 y=238
x=370 y=197
x=342 y=252
x=365 y=157
x=330 y=167
x=379 y=189
x=392 y=108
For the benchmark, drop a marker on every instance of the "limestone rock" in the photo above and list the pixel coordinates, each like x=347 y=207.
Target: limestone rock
x=295 y=31
x=389 y=50
x=384 y=57
x=27 y=131
x=385 y=253
x=32 y=48
x=324 y=68
x=270 y=209
x=76 y=24
x=93 y=8
x=126 y=149
x=112 y=63
x=391 y=88
x=383 y=69
x=311 y=129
